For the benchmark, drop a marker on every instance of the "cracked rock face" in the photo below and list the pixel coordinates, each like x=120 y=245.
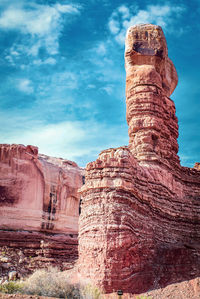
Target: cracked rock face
x=39 y=205
x=38 y=192
x=139 y=226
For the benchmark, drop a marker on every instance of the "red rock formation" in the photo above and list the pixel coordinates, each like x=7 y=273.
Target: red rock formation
x=182 y=290
x=139 y=227
x=26 y=251
x=151 y=78
x=38 y=191
x=38 y=194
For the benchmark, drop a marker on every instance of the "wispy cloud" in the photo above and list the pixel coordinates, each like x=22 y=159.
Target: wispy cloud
x=40 y=26
x=123 y=17
x=25 y=85
x=62 y=84
x=101 y=49
x=108 y=89
x=70 y=139
x=56 y=85
x=50 y=61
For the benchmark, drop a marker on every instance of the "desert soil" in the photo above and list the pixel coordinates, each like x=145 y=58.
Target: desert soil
x=183 y=290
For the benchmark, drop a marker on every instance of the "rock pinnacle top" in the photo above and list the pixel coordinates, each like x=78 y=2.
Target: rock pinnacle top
x=150 y=79
x=146 y=45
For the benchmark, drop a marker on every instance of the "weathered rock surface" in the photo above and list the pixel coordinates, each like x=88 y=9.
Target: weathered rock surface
x=151 y=78
x=139 y=227
x=25 y=251
x=39 y=202
x=38 y=192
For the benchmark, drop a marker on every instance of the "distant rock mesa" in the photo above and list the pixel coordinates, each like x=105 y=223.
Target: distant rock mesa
x=139 y=227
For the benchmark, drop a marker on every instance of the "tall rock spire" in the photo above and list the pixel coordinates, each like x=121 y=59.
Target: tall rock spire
x=139 y=226
x=151 y=79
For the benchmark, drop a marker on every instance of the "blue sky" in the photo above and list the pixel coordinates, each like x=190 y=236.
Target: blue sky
x=62 y=84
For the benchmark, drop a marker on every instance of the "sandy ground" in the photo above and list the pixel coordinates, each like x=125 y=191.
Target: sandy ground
x=183 y=290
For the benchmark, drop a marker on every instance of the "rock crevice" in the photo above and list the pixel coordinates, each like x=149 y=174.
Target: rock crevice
x=39 y=205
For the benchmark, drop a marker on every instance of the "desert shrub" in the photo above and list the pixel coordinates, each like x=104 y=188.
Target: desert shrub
x=90 y=292
x=50 y=283
x=11 y=287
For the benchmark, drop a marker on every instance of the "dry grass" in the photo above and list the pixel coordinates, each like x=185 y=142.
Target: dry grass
x=51 y=283
x=91 y=292
x=11 y=287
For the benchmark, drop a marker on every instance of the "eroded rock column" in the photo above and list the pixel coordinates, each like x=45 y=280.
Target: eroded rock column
x=151 y=78
x=139 y=227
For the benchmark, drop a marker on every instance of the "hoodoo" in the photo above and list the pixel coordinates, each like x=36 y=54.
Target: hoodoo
x=139 y=226
x=150 y=79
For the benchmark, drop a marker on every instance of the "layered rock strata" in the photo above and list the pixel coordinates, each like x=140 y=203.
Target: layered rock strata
x=26 y=251
x=139 y=226
x=38 y=198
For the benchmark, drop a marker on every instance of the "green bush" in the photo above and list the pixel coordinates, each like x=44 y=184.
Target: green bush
x=11 y=287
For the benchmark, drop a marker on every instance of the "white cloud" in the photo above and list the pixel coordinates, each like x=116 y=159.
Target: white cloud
x=67 y=8
x=123 y=17
x=56 y=87
x=66 y=79
x=50 y=60
x=71 y=139
x=36 y=19
x=101 y=49
x=40 y=26
x=108 y=89
x=25 y=85
x=54 y=139
x=114 y=26
x=91 y=86
x=124 y=11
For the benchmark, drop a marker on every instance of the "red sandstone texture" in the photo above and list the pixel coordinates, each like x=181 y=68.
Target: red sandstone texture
x=39 y=207
x=38 y=191
x=139 y=227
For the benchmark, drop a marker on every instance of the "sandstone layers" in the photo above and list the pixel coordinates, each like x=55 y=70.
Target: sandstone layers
x=139 y=226
x=39 y=204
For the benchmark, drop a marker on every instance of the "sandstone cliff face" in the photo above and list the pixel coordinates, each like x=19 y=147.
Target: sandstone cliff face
x=39 y=206
x=38 y=192
x=139 y=226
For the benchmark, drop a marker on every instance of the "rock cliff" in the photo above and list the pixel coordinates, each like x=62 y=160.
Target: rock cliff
x=139 y=227
x=39 y=206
